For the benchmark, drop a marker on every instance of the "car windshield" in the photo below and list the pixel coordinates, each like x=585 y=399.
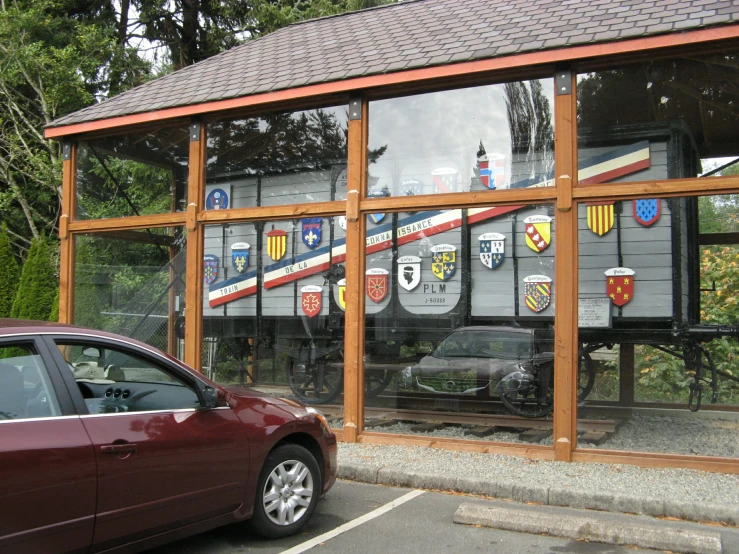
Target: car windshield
x=485 y=344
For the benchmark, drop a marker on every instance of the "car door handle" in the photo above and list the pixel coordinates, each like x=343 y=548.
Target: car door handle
x=119 y=448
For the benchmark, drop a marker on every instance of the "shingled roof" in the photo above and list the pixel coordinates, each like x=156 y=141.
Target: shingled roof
x=407 y=35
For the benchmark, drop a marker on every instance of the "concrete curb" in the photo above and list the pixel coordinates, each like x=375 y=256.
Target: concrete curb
x=636 y=533
x=553 y=496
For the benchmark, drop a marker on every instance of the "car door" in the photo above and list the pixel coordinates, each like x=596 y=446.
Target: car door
x=164 y=460
x=47 y=463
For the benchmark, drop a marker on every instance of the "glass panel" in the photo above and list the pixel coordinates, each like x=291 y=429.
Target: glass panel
x=133 y=283
x=489 y=137
x=285 y=158
x=271 y=308
x=657 y=119
x=25 y=388
x=135 y=174
x=657 y=314
x=460 y=324
x=114 y=381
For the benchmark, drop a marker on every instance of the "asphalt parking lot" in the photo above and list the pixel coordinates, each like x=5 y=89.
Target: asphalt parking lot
x=422 y=523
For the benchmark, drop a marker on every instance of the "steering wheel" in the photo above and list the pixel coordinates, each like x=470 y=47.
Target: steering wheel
x=38 y=402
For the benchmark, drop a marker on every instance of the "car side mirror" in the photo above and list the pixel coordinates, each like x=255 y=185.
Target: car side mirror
x=210 y=396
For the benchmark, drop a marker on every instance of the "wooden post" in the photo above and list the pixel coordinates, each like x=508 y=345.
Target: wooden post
x=355 y=262
x=565 y=262
x=194 y=270
x=66 y=248
x=626 y=375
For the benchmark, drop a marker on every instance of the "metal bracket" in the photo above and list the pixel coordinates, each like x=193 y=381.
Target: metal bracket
x=67 y=151
x=563 y=81
x=355 y=108
x=194 y=132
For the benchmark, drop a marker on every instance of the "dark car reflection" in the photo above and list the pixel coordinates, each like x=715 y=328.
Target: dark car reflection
x=513 y=363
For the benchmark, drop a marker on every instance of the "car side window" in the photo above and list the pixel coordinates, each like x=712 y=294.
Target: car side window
x=114 y=380
x=25 y=387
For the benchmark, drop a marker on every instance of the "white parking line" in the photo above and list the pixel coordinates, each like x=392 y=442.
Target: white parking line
x=307 y=545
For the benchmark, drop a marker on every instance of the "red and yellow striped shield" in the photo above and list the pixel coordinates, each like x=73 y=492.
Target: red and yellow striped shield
x=600 y=217
x=276 y=244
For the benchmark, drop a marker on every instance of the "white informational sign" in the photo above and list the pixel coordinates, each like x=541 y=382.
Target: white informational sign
x=594 y=312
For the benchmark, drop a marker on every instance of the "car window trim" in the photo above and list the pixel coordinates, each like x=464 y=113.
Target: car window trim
x=56 y=379
x=191 y=381
x=145 y=412
x=45 y=418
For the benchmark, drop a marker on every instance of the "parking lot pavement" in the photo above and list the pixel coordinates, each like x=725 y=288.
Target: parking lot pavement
x=423 y=523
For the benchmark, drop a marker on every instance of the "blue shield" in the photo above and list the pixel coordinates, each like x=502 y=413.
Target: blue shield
x=240 y=256
x=217 y=200
x=647 y=211
x=312 y=231
x=383 y=193
x=210 y=268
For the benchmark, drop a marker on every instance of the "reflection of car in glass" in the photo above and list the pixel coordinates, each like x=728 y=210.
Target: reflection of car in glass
x=107 y=443
x=515 y=363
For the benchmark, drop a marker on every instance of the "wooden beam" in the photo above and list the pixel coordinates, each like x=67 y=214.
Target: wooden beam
x=658 y=188
x=720 y=239
x=354 y=315
x=139 y=222
x=67 y=246
x=565 y=272
x=419 y=77
x=194 y=255
x=268 y=213
x=654 y=459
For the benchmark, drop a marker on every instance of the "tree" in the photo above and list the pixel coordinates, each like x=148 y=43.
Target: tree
x=9 y=274
x=51 y=63
x=39 y=283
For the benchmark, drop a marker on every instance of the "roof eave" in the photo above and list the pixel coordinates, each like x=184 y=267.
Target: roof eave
x=527 y=59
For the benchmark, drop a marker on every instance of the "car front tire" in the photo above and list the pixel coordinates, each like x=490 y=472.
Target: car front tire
x=287 y=492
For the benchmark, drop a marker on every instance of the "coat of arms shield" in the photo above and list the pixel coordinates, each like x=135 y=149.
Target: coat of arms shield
x=240 y=256
x=376 y=283
x=276 y=244
x=492 y=170
x=444 y=261
x=210 y=268
x=445 y=179
x=311 y=234
x=538 y=232
x=409 y=272
x=647 y=211
x=600 y=217
x=217 y=200
x=342 y=293
x=311 y=300
x=492 y=249
x=537 y=292
x=620 y=285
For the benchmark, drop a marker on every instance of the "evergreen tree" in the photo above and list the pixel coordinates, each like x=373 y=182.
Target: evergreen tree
x=8 y=275
x=39 y=283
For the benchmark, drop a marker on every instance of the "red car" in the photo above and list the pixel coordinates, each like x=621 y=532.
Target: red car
x=107 y=444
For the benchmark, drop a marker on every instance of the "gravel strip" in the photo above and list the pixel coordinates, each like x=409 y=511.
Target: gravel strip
x=640 y=433
x=663 y=484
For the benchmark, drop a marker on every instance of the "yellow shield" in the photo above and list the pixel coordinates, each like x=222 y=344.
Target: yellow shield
x=276 y=244
x=342 y=293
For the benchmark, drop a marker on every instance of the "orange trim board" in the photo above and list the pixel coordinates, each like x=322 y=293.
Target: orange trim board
x=413 y=75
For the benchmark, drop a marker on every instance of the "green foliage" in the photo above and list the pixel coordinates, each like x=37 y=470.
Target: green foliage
x=54 y=316
x=39 y=283
x=9 y=274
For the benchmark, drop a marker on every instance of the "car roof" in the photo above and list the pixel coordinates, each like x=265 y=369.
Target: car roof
x=10 y=327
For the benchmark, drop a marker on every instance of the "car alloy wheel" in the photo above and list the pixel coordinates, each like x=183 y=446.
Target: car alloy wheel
x=288 y=490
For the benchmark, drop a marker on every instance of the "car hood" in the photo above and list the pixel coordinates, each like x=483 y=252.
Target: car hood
x=248 y=394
